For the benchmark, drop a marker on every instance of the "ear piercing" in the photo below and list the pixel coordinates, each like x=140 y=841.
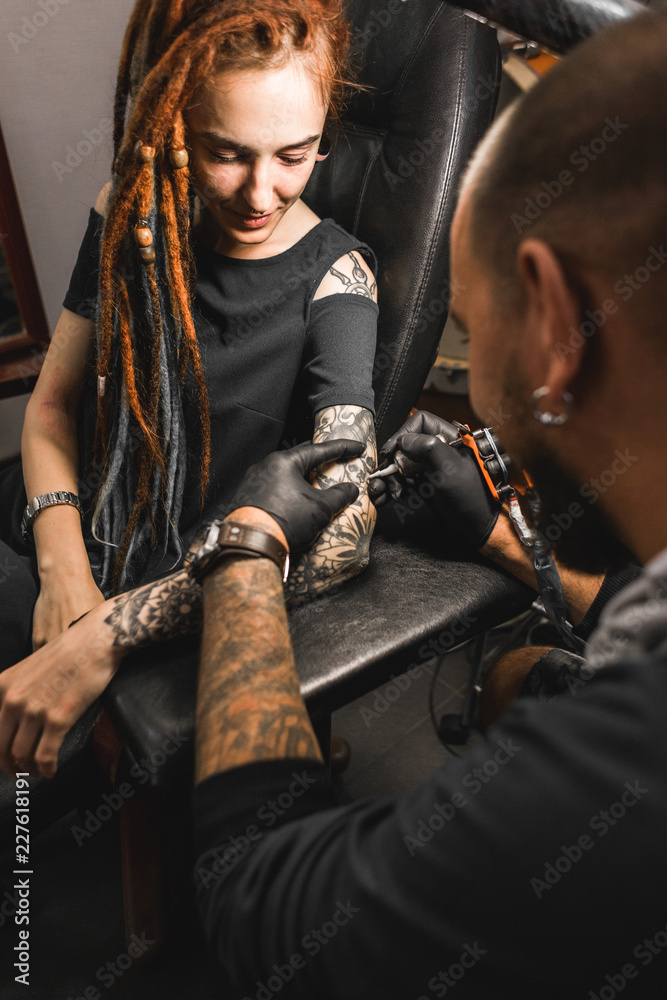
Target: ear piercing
x=548 y=419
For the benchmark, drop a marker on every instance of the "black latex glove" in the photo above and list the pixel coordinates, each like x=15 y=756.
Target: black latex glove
x=277 y=486
x=452 y=483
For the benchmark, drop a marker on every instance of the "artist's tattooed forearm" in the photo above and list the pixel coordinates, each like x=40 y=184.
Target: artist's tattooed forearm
x=357 y=283
x=342 y=550
x=249 y=705
x=165 y=609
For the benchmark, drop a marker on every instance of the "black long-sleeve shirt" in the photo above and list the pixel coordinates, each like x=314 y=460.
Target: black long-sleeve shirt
x=532 y=867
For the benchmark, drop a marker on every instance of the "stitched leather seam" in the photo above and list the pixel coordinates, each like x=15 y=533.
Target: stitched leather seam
x=397 y=91
x=374 y=133
x=413 y=57
x=362 y=190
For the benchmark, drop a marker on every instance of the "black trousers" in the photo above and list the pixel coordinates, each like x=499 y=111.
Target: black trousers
x=19 y=581
x=18 y=592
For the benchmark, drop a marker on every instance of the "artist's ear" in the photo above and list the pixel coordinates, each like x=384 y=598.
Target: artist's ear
x=324 y=147
x=552 y=314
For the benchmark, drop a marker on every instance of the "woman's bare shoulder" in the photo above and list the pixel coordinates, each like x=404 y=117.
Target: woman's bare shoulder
x=349 y=275
x=103 y=199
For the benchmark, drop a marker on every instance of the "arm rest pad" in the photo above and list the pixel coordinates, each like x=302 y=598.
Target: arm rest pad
x=415 y=590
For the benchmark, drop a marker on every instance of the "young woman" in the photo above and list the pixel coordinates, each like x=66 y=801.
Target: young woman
x=216 y=306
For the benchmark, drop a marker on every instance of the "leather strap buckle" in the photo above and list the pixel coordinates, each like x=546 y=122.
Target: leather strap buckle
x=225 y=537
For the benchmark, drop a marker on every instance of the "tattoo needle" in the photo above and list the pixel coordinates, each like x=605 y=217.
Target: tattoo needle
x=403 y=465
x=389 y=471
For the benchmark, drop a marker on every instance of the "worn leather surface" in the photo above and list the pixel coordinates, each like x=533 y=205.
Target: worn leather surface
x=420 y=597
x=557 y=25
x=417 y=589
x=392 y=177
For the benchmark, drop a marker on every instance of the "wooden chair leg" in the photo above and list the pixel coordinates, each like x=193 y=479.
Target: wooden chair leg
x=142 y=849
x=107 y=747
x=145 y=894
x=322 y=730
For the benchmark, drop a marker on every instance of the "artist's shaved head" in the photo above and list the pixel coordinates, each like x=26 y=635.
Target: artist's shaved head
x=581 y=163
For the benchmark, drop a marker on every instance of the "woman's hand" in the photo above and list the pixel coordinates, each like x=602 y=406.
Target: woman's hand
x=43 y=696
x=60 y=602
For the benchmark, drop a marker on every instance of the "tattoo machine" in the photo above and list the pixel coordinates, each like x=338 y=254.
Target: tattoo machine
x=505 y=485
x=494 y=463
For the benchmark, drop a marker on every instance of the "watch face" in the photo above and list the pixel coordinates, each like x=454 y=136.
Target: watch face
x=213 y=534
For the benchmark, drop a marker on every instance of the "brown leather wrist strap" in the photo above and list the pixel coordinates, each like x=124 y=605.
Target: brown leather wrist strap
x=228 y=537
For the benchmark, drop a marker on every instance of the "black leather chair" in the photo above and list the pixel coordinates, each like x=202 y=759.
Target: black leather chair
x=558 y=25
x=392 y=179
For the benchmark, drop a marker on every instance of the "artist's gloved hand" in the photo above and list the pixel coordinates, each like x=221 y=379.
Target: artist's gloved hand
x=277 y=486
x=452 y=483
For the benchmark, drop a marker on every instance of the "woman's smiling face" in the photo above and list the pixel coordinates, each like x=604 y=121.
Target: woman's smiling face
x=253 y=137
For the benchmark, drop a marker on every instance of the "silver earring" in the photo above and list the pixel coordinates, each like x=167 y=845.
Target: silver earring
x=550 y=419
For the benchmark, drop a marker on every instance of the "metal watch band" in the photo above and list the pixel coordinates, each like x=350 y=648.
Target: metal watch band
x=225 y=537
x=38 y=504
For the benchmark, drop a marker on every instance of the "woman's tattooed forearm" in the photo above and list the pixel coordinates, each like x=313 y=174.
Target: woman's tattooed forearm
x=249 y=705
x=342 y=550
x=353 y=423
x=165 y=609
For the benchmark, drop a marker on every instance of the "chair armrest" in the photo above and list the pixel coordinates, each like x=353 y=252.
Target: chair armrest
x=416 y=590
x=419 y=598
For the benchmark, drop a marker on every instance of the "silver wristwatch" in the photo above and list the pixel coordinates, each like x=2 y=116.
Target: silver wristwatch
x=38 y=504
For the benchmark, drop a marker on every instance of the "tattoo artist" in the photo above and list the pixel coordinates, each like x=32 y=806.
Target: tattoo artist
x=533 y=866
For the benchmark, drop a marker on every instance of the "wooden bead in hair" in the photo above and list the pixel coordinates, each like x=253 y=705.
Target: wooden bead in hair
x=179 y=158
x=144 y=152
x=143 y=237
x=147 y=254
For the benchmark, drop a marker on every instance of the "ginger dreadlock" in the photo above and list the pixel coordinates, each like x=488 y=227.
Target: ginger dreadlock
x=146 y=339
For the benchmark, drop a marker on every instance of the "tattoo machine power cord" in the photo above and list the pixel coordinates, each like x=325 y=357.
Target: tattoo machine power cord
x=455 y=729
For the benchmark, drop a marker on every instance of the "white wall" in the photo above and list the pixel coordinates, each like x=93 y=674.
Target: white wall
x=58 y=64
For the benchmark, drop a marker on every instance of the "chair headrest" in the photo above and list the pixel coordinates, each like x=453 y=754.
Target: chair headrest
x=553 y=24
